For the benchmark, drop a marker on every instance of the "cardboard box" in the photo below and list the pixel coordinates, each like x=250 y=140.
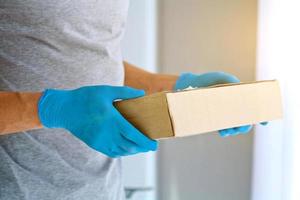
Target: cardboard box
x=196 y=111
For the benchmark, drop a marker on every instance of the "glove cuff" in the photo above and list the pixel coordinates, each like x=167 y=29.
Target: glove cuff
x=49 y=107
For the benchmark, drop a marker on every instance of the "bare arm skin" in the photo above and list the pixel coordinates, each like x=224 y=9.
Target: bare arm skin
x=150 y=82
x=18 y=110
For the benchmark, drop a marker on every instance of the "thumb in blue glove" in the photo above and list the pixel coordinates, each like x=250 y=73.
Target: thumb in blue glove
x=88 y=113
x=209 y=79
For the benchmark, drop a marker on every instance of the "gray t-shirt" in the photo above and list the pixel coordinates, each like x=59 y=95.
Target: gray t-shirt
x=58 y=44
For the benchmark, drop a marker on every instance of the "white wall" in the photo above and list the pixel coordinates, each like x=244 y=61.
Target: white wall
x=277 y=146
x=139 y=43
x=199 y=36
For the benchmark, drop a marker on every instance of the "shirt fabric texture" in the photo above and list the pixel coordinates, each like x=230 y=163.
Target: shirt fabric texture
x=65 y=45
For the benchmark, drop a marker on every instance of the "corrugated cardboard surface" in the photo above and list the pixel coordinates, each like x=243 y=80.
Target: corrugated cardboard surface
x=210 y=109
x=184 y=113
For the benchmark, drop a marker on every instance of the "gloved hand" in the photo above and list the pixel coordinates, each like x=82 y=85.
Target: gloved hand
x=209 y=79
x=89 y=114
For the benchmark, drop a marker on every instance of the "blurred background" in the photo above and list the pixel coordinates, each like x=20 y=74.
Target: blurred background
x=251 y=39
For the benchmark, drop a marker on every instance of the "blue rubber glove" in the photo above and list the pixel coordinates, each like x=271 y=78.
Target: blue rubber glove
x=89 y=114
x=209 y=79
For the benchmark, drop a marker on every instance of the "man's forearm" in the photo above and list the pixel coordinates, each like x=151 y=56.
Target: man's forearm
x=150 y=82
x=18 y=112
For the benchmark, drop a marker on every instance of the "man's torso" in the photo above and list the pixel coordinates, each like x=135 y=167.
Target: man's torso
x=58 y=44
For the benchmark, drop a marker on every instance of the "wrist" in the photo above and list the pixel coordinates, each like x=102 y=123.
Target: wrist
x=162 y=82
x=32 y=108
x=29 y=118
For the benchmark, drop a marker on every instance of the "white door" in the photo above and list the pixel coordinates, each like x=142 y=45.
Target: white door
x=139 y=48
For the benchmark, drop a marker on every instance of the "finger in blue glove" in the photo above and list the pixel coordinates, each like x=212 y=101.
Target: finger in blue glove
x=204 y=80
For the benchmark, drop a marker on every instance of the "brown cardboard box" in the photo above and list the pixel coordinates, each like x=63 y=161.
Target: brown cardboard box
x=196 y=111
